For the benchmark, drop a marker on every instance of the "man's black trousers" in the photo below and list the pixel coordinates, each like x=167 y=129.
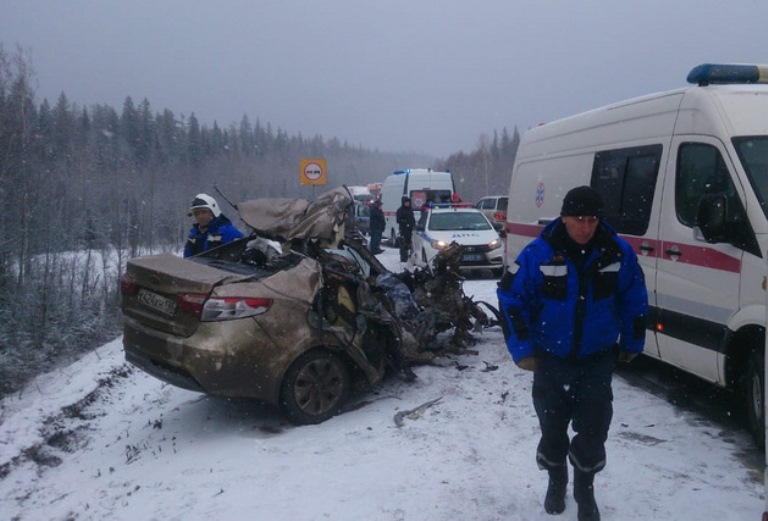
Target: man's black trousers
x=577 y=392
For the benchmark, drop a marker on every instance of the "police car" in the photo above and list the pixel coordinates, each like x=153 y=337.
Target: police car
x=442 y=224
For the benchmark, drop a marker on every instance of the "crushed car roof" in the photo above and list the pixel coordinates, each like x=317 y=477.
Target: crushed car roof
x=287 y=219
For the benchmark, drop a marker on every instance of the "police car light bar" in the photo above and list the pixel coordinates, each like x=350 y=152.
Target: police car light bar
x=708 y=73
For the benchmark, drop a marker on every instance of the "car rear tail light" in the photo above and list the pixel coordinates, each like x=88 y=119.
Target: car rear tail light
x=192 y=303
x=215 y=309
x=500 y=216
x=128 y=285
x=231 y=308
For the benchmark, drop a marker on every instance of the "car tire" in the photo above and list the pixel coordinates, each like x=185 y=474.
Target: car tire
x=315 y=387
x=755 y=396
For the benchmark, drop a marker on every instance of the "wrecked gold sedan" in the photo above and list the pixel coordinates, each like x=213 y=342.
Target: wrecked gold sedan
x=296 y=328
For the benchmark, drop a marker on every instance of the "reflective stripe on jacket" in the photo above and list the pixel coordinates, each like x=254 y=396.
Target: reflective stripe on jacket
x=548 y=303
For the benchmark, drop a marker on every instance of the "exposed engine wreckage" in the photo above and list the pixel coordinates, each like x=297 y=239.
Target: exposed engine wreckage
x=364 y=304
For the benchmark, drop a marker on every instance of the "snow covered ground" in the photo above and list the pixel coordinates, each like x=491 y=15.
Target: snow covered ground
x=100 y=440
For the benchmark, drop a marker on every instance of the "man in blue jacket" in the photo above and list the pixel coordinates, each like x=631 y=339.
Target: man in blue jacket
x=573 y=303
x=211 y=227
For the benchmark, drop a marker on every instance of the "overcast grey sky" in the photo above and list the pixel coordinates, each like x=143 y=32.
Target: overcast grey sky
x=402 y=75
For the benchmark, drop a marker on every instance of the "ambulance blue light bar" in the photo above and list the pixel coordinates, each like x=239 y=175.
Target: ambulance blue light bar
x=708 y=73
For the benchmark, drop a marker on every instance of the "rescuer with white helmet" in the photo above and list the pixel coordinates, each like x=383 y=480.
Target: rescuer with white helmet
x=211 y=228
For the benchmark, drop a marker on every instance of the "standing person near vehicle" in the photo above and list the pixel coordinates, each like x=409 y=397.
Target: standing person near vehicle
x=211 y=227
x=377 y=226
x=406 y=222
x=573 y=303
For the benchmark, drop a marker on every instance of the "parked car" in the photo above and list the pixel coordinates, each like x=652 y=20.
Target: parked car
x=443 y=224
x=495 y=208
x=296 y=328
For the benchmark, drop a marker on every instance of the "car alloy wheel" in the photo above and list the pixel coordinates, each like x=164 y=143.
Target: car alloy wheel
x=315 y=387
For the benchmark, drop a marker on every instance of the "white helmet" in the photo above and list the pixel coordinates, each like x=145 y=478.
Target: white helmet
x=205 y=201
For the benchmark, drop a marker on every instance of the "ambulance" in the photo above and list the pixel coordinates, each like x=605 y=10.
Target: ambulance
x=421 y=185
x=684 y=176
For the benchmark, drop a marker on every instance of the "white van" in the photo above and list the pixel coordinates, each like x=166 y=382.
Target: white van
x=684 y=176
x=422 y=185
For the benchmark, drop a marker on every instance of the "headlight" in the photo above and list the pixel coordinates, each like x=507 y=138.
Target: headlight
x=494 y=244
x=438 y=245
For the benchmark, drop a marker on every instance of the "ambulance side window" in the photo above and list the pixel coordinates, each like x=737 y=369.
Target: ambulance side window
x=626 y=178
x=753 y=153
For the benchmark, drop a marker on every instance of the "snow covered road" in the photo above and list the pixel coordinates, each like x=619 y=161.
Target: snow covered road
x=100 y=440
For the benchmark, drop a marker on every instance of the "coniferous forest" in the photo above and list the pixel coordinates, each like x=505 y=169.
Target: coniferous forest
x=82 y=189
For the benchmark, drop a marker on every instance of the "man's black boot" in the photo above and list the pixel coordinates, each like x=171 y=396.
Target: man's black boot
x=554 y=502
x=584 y=493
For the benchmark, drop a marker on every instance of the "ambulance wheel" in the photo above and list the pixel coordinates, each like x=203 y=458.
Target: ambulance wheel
x=755 y=396
x=315 y=387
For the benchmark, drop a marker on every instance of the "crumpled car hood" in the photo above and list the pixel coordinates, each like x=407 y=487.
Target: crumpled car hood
x=285 y=219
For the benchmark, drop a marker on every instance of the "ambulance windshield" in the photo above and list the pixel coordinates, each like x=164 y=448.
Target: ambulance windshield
x=753 y=153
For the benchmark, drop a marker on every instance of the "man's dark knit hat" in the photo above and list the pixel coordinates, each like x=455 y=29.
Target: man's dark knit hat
x=582 y=200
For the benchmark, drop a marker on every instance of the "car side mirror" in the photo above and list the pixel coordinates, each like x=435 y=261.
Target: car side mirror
x=711 y=218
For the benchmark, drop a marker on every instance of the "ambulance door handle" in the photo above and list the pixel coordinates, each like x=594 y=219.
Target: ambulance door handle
x=674 y=251
x=646 y=248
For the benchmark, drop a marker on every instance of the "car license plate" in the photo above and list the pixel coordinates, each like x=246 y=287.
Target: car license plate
x=157 y=302
x=473 y=257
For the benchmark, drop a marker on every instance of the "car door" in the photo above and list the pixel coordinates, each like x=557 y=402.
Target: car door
x=697 y=282
x=419 y=236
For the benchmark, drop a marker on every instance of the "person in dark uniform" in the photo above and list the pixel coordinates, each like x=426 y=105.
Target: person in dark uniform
x=406 y=222
x=574 y=303
x=377 y=226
